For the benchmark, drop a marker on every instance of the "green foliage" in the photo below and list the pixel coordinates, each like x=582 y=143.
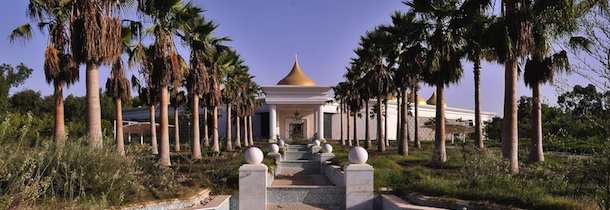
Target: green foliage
x=34 y=170
x=9 y=77
x=27 y=101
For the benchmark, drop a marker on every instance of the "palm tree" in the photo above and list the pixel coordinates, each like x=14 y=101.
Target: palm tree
x=167 y=16
x=528 y=28
x=541 y=67
x=148 y=95
x=251 y=96
x=444 y=53
x=234 y=85
x=198 y=34
x=59 y=66
x=405 y=50
x=340 y=95
x=95 y=32
x=117 y=87
x=177 y=99
x=476 y=23
x=219 y=62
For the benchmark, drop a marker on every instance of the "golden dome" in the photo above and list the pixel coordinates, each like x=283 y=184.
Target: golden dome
x=420 y=100
x=296 y=77
x=432 y=100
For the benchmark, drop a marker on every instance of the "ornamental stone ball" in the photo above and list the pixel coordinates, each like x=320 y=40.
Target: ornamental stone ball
x=254 y=155
x=273 y=148
x=316 y=142
x=280 y=142
x=358 y=155
x=327 y=148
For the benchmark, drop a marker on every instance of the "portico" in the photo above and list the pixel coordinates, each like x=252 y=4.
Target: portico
x=296 y=107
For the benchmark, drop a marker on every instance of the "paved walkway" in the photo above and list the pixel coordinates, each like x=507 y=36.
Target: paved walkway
x=300 y=206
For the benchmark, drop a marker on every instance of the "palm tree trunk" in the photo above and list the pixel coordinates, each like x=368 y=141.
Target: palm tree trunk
x=536 y=152
x=120 y=143
x=349 y=142
x=404 y=144
x=417 y=143
x=246 y=141
x=94 y=115
x=341 y=119
x=176 y=131
x=398 y=119
x=250 y=134
x=380 y=138
x=60 y=126
x=164 y=140
x=237 y=132
x=385 y=124
x=206 y=138
x=196 y=140
x=478 y=128
x=510 y=136
x=229 y=146
x=367 y=132
x=153 y=131
x=216 y=147
x=440 y=153
x=356 y=142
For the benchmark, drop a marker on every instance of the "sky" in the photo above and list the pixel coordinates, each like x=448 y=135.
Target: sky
x=270 y=33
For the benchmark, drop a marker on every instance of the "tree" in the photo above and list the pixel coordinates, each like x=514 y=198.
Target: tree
x=59 y=66
x=219 y=62
x=117 y=87
x=177 y=99
x=147 y=94
x=198 y=35
x=11 y=78
x=340 y=92
x=444 y=44
x=406 y=34
x=95 y=33
x=27 y=101
x=477 y=24
x=592 y=48
x=168 y=66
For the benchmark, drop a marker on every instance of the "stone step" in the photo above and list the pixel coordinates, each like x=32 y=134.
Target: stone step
x=308 y=164
x=297 y=147
x=296 y=155
x=326 y=195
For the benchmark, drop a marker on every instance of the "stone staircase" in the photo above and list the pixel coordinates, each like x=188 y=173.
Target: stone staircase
x=300 y=184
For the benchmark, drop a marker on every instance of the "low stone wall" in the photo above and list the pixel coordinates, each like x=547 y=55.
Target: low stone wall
x=334 y=174
x=171 y=203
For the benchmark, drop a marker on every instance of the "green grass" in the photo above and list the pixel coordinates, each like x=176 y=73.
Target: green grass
x=480 y=177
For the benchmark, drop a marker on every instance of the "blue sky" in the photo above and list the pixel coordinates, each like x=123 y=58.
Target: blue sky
x=269 y=33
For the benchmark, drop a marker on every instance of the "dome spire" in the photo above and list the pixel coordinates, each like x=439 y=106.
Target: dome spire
x=296 y=76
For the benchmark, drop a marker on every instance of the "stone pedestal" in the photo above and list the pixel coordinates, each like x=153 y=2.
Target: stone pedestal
x=323 y=157
x=359 y=191
x=253 y=187
x=315 y=149
x=278 y=159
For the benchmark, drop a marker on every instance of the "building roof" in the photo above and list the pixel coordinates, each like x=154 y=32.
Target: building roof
x=296 y=77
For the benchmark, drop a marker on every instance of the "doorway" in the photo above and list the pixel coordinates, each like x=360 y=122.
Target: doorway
x=296 y=131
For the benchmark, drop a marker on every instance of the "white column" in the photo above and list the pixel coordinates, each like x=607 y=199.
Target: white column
x=320 y=123
x=272 y=122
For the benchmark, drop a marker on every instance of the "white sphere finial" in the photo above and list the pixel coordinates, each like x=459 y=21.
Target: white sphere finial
x=254 y=155
x=273 y=148
x=280 y=142
x=316 y=142
x=358 y=155
x=327 y=148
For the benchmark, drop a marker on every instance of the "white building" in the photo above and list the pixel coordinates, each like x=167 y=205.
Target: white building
x=297 y=108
